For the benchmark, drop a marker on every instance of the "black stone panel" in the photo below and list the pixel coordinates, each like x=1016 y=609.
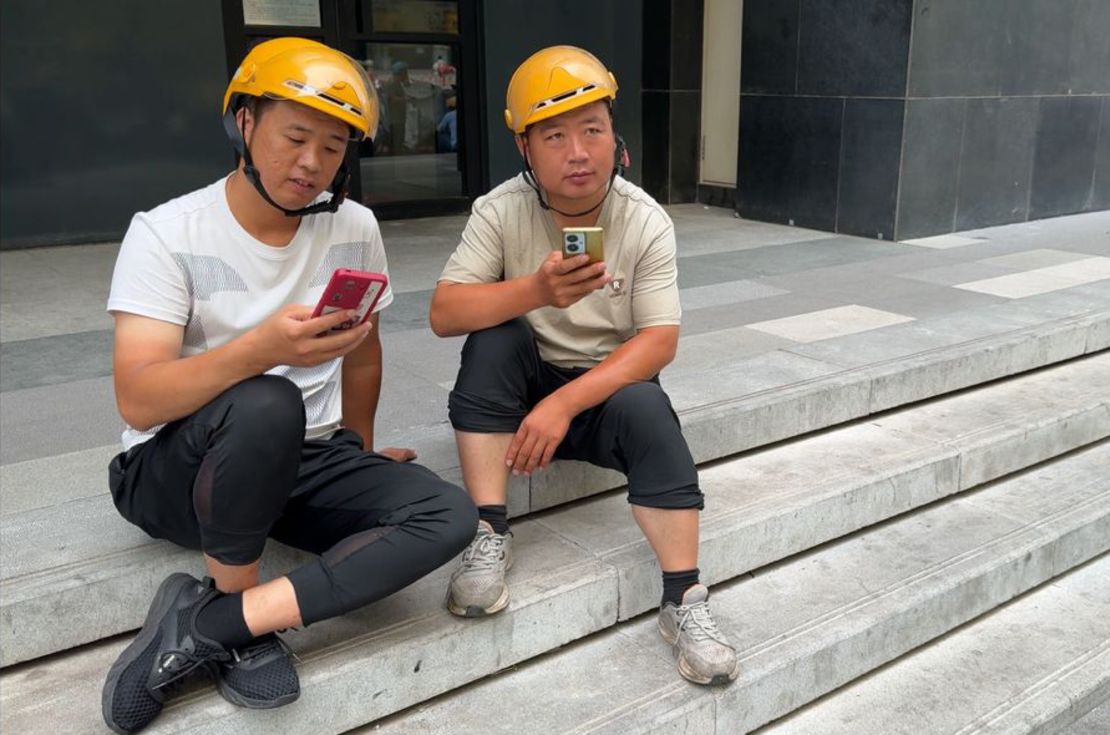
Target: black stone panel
x=997 y=161
x=854 y=48
x=687 y=17
x=1100 y=193
x=512 y=31
x=1035 y=57
x=869 y=155
x=657 y=44
x=957 y=48
x=107 y=109
x=789 y=159
x=769 y=46
x=1064 y=163
x=1090 y=50
x=656 y=154
x=685 y=148
x=930 y=163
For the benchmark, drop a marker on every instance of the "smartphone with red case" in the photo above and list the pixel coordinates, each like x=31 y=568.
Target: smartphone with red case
x=351 y=289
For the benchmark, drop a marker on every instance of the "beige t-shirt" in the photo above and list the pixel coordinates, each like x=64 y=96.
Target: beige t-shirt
x=508 y=235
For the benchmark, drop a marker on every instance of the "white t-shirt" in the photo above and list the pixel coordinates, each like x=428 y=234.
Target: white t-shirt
x=189 y=262
x=508 y=235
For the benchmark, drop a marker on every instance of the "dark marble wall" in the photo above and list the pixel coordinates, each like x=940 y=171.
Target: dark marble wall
x=821 y=112
x=513 y=31
x=999 y=113
x=108 y=109
x=1005 y=103
x=672 y=98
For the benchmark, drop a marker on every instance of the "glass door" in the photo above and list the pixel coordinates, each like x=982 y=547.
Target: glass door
x=415 y=154
x=424 y=158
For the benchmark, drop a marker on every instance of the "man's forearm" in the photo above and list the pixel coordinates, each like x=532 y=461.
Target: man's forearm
x=166 y=391
x=639 y=359
x=462 y=308
x=362 y=387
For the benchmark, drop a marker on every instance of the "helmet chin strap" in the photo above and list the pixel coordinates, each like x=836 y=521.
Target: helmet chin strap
x=530 y=177
x=338 y=186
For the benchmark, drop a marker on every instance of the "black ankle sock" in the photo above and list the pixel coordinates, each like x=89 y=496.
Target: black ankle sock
x=221 y=619
x=496 y=516
x=675 y=585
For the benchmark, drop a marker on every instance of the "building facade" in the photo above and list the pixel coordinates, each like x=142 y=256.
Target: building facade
x=882 y=118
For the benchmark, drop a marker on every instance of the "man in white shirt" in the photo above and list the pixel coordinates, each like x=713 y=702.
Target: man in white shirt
x=247 y=418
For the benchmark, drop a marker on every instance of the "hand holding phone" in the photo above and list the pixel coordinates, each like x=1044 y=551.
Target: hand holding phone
x=351 y=290
x=584 y=241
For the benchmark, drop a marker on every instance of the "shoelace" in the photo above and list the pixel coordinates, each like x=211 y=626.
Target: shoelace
x=272 y=644
x=191 y=662
x=485 y=553
x=698 y=623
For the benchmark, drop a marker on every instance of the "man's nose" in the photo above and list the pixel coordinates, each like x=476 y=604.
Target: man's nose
x=578 y=150
x=310 y=158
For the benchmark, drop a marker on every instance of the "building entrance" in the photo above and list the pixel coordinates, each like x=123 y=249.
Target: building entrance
x=421 y=57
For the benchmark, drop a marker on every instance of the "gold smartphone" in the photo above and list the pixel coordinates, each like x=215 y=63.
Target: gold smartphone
x=584 y=240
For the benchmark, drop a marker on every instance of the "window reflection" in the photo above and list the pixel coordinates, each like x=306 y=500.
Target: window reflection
x=415 y=154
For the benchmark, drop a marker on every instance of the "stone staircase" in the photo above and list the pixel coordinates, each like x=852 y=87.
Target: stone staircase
x=905 y=531
x=856 y=532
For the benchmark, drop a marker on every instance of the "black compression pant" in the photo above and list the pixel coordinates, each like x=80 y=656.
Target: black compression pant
x=239 y=470
x=635 y=431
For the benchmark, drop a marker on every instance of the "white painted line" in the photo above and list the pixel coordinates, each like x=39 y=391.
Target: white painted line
x=1043 y=280
x=943 y=242
x=828 y=323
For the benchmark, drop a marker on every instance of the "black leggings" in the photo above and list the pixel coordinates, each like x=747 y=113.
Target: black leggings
x=239 y=470
x=635 y=431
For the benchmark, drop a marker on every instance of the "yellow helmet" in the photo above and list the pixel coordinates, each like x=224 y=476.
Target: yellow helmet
x=552 y=81
x=312 y=74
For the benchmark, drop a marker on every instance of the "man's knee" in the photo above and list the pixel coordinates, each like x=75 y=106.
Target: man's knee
x=497 y=344
x=643 y=409
x=266 y=405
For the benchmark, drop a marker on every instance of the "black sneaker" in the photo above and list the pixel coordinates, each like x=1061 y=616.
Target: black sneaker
x=259 y=675
x=166 y=650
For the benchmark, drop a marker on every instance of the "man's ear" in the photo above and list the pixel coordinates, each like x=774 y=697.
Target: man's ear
x=522 y=147
x=245 y=121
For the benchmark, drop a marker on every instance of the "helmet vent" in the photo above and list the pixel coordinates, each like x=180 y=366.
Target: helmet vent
x=309 y=89
x=565 y=96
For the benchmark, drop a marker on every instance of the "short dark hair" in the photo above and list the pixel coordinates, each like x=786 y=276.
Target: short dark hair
x=257 y=106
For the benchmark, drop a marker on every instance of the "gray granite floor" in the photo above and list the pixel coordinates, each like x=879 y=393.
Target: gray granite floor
x=748 y=289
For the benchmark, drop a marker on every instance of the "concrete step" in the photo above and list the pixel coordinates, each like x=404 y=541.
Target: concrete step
x=809 y=625
x=582 y=568
x=1095 y=722
x=93 y=577
x=1034 y=666
x=77 y=564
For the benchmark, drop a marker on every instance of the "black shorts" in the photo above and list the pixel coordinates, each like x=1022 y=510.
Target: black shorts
x=635 y=431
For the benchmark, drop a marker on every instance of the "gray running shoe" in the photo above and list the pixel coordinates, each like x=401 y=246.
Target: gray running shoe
x=704 y=654
x=478 y=585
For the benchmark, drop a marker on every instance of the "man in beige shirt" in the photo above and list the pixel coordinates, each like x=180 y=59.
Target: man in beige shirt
x=563 y=355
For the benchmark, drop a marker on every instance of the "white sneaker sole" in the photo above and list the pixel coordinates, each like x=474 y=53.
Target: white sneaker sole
x=687 y=672
x=476 y=611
